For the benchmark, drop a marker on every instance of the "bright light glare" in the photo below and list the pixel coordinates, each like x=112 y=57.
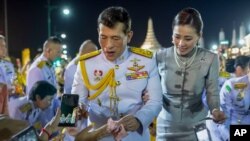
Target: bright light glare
x=63 y=35
x=241 y=42
x=66 y=11
x=64 y=46
x=214 y=47
x=65 y=52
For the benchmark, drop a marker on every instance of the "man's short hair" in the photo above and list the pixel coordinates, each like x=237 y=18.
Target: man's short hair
x=113 y=15
x=52 y=39
x=41 y=88
x=87 y=44
x=2 y=37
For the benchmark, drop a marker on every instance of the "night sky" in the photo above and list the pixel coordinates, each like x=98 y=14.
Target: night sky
x=27 y=20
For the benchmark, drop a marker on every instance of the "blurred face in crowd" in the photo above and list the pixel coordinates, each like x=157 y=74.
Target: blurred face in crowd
x=113 y=41
x=2 y=48
x=54 y=51
x=45 y=102
x=87 y=48
x=184 y=38
x=239 y=71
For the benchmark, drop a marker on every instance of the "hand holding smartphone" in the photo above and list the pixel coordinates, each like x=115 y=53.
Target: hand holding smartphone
x=69 y=110
x=201 y=132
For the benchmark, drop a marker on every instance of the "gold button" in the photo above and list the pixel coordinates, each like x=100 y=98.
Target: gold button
x=118 y=83
x=116 y=66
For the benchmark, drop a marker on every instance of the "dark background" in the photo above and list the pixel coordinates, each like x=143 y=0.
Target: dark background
x=27 y=20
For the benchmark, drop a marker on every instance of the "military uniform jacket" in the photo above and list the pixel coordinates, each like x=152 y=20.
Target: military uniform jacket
x=40 y=70
x=69 y=75
x=23 y=109
x=235 y=102
x=129 y=89
x=7 y=72
x=183 y=87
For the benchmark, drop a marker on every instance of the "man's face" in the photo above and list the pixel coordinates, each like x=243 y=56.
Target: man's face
x=2 y=48
x=54 y=51
x=113 y=41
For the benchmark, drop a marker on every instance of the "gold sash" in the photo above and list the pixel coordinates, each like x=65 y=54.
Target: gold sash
x=107 y=80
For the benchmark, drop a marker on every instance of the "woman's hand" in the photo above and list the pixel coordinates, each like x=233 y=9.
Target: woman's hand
x=218 y=116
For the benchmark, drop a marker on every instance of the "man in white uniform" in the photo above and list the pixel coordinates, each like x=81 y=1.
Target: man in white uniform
x=42 y=69
x=111 y=81
x=86 y=47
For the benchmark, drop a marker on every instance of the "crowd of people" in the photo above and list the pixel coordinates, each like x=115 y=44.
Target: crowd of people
x=123 y=89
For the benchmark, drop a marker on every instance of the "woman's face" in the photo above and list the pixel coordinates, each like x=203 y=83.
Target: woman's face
x=45 y=102
x=184 y=38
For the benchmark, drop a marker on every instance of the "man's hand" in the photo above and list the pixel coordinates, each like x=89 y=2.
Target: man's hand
x=121 y=134
x=218 y=116
x=127 y=123
x=116 y=129
x=113 y=126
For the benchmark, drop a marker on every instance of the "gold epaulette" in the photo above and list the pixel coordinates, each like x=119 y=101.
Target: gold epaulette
x=142 y=52
x=240 y=85
x=25 y=107
x=224 y=74
x=38 y=125
x=41 y=64
x=49 y=64
x=89 y=55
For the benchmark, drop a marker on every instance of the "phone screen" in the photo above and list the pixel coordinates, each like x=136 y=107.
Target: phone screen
x=202 y=132
x=28 y=134
x=68 y=110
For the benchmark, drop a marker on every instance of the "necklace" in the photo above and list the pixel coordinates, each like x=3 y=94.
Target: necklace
x=185 y=64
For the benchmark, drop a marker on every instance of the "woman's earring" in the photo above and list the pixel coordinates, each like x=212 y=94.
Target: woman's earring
x=197 y=44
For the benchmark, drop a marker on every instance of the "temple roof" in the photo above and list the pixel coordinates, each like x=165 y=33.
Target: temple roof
x=151 y=42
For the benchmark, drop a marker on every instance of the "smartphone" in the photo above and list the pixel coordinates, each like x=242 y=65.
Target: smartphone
x=201 y=132
x=27 y=134
x=68 y=110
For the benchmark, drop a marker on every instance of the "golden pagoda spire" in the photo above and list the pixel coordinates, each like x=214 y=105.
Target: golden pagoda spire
x=151 y=42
